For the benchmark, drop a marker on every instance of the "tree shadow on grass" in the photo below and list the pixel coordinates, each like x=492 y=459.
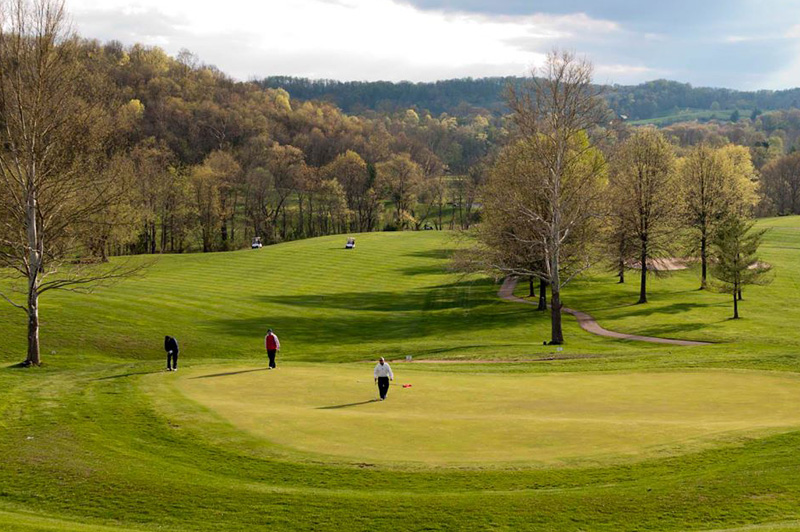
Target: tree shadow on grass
x=437 y=269
x=436 y=312
x=590 y=296
x=347 y=405
x=675 y=308
x=228 y=373
x=466 y=294
x=441 y=254
x=131 y=374
x=673 y=331
x=356 y=329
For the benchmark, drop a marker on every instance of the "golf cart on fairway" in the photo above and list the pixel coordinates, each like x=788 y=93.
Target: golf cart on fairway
x=256 y=243
x=351 y=243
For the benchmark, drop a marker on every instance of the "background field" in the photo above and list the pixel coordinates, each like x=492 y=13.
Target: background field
x=101 y=437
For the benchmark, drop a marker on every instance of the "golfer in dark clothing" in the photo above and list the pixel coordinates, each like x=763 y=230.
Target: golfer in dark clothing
x=273 y=345
x=383 y=374
x=171 y=347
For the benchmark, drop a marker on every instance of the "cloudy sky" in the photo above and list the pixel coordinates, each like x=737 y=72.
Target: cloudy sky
x=744 y=44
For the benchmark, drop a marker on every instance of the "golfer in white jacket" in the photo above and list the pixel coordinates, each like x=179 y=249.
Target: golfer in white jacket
x=383 y=374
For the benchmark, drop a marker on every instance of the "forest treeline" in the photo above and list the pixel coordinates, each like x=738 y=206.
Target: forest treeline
x=463 y=97
x=204 y=162
x=201 y=162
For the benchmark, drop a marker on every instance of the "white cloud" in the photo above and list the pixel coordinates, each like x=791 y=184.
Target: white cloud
x=626 y=70
x=735 y=39
x=793 y=32
x=345 y=39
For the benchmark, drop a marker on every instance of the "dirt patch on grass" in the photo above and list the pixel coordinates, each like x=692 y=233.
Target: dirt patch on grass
x=666 y=264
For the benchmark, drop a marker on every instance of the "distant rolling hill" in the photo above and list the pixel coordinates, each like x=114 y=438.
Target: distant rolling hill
x=463 y=97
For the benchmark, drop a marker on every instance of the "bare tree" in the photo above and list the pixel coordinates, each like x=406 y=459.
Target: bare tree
x=53 y=130
x=553 y=115
x=781 y=183
x=273 y=172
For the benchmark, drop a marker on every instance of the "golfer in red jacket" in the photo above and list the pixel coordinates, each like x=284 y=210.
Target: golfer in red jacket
x=273 y=346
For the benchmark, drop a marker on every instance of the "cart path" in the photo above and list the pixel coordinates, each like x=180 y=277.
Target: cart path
x=587 y=322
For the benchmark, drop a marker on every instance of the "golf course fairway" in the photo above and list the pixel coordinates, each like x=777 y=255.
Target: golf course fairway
x=485 y=419
x=498 y=431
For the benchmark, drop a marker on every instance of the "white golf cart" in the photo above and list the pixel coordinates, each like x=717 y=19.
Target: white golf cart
x=256 y=243
x=351 y=243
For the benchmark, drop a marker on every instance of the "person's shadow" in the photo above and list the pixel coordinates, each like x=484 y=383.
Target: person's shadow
x=334 y=407
x=228 y=373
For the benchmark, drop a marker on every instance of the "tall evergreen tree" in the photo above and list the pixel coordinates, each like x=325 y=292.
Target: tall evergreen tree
x=735 y=253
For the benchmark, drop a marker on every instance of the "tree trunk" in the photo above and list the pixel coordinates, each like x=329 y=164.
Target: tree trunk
x=233 y=219
x=302 y=221
x=556 y=334
x=531 y=291
x=163 y=244
x=703 y=262
x=621 y=271
x=542 y=295
x=310 y=216
x=34 y=267
x=34 y=355
x=739 y=293
x=735 y=306
x=643 y=283
x=554 y=252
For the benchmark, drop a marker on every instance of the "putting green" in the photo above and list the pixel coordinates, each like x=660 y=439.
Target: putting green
x=493 y=419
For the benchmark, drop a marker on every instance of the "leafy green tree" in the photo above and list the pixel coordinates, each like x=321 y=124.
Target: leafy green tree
x=712 y=184
x=227 y=172
x=642 y=190
x=401 y=178
x=332 y=211
x=350 y=170
x=735 y=252
x=205 y=187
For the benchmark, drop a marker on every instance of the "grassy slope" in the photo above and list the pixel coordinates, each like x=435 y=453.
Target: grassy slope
x=687 y=115
x=391 y=295
x=676 y=308
x=86 y=440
